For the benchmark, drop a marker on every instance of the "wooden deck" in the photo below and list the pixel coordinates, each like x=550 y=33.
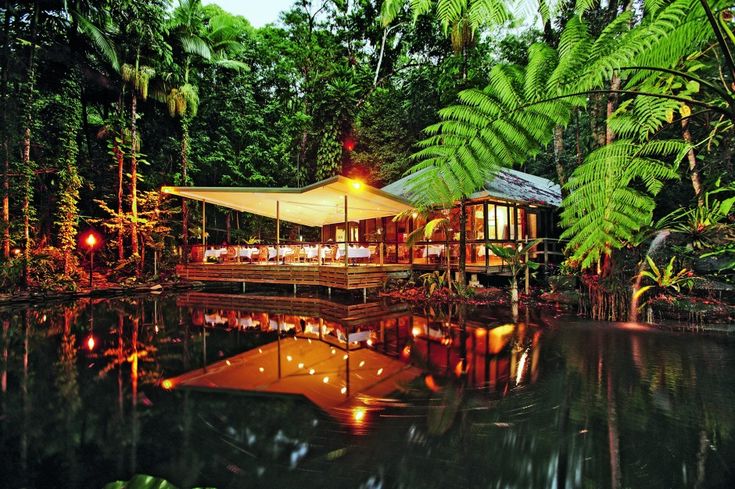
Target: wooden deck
x=348 y=278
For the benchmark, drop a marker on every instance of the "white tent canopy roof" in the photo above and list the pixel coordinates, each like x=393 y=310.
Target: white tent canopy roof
x=315 y=205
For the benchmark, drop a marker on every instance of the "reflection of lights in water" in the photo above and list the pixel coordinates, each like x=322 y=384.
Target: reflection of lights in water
x=90 y=343
x=228 y=362
x=358 y=414
x=380 y=371
x=260 y=350
x=521 y=366
x=345 y=357
x=167 y=384
x=325 y=380
x=301 y=365
x=312 y=371
x=261 y=369
x=343 y=390
x=406 y=352
x=289 y=357
x=459 y=369
x=362 y=363
x=334 y=351
x=415 y=331
x=430 y=383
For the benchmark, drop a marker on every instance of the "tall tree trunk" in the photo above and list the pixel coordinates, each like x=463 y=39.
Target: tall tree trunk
x=28 y=167
x=120 y=160
x=67 y=213
x=558 y=150
x=134 y=181
x=612 y=105
x=185 y=181
x=5 y=132
x=228 y=227
x=693 y=169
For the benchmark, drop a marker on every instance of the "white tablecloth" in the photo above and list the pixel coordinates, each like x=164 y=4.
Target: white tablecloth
x=214 y=319
x=285 y=251
x=353 y=252
x=215 y=253
x=248 y=253
x=311 y=252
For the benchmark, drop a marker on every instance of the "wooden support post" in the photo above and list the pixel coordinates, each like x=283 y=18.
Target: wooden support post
x=528 y=272
x=347 y=234
x=278 y=232
x=243 y=286
x=204 y=231
x=364 y=295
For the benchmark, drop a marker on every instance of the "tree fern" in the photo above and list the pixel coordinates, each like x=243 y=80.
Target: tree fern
x=604 y=208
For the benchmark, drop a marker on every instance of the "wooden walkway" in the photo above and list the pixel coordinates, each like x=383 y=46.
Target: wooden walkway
x=348 y=278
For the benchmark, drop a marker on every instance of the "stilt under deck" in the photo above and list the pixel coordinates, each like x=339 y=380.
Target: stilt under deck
x=337 y=276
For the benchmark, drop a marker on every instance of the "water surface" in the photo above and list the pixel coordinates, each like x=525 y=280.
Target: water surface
x=172 y=386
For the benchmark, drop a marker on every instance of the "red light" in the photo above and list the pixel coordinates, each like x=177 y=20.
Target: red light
x=90 y=343
x=349 y=144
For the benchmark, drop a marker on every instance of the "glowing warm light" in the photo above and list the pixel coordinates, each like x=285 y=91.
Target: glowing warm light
x=43 y=319
x=380 y=371
x=260 y=350
x=261 y=369
x=289 y=357
x=369 y=342
x=343 y=390
x=447 y=341
x=165 y=190
x=356 y=185
x=406 y=352
x=362 y=364
x=415 y=331
x=167 y=384
x=499 y=337
x=325 y=380
x=480 y=332
x=334 y=352
x=415 y=215
x=358 y=414
x=431 y=383
x=301 y=365
x=521 y=367
x=16 y=251
x=91 y=240
x=228 y=362
x=459 y=369
x=312 y=371
x=90 y=343
x=345 y=357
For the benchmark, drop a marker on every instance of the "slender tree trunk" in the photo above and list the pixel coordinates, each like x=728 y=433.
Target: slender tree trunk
x=134 y=180
x=28 y=167
x=120 y=160
x=693 y=169
x=612 y=105
x=558 y=150
x=184 y=203
x=6 y=133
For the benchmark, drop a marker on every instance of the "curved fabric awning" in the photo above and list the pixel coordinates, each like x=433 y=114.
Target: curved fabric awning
x=316 y=205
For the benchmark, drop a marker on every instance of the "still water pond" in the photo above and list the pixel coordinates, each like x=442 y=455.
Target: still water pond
x=232 y=390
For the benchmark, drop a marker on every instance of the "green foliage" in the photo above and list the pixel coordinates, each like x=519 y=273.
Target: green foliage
x=433 y=281
x=665 y=279
x=604 y=209
x=515 y=257
x=329 y=156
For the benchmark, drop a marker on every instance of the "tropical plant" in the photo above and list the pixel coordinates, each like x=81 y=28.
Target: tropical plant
x=434 y=281
x=664 y=279
x=515 y=258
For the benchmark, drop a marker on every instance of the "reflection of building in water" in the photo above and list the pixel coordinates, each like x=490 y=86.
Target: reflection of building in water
x=344 y=357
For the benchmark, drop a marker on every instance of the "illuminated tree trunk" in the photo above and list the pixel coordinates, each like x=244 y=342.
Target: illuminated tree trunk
x=5 y=133
x=692 y=159
x=120 y=160
x=462 y=266
x=184 y=181
x=134 y=181
x=27 y=166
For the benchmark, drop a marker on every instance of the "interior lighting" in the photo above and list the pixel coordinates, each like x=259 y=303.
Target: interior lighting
x=261 y=369
x=362 y=363
x=90 y=343
x=357 y=185
x=301 y=365
x=415 y=331
x=289 y=357
x=343 y=390
x=167 y=384
x=312 y=371
x=380 y=371
x=325 y=380
x=358 y=414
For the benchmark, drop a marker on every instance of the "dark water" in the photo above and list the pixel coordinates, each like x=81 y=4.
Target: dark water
x=460 y=399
